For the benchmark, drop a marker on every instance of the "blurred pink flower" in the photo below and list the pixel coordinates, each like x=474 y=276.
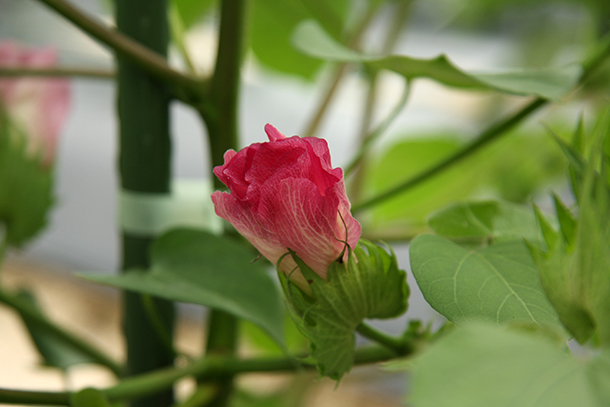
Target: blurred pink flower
x=37 y=105
x=285 y=194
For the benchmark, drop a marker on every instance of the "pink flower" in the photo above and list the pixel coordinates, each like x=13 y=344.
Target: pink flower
x=37 y=105
x=285 y=194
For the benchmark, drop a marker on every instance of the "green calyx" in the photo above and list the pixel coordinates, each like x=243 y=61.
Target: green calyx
x=369 y=285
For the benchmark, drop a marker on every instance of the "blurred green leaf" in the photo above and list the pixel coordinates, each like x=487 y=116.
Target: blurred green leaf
x=193 y=11
x=371 y=287
x=512 y=169
x=89 y=397
x=54 y=351
x=498 y=283
x=484 y=365
x=26 y=186
x=482 y=221
x=273 y=21
x=259 y=340
x=550 y=83
x=194 y=266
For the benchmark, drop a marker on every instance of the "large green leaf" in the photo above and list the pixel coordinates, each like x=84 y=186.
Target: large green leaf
x=484 y=221
x=26 y=186
x=194 y=266
x=497 y=283
x=483 y=365
x=550 y=83
x=371 y=287
x=273 y=21
x=54 y=351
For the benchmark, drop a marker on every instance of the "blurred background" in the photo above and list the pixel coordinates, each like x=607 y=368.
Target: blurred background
x=284 y=88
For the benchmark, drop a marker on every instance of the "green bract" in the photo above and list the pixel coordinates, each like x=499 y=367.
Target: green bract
x=575 y=263
x=370 y=285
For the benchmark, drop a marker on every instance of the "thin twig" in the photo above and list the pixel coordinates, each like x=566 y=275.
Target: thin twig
x=26 y=311
x=59 y=71
x=491 y=133
x=137 y=53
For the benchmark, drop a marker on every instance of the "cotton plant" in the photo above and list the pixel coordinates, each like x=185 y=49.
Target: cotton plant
x=306 y=246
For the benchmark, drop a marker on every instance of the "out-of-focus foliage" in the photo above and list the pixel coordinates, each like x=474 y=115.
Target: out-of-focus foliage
x=273 y=21
x=512 y=169
x=26 y=188
x=482 y=365
x=54 y=351
x=551 y=83
x=193 y=11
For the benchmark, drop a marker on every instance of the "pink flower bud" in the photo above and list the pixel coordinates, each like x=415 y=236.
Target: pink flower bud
x=285 y=194
x=37 y=105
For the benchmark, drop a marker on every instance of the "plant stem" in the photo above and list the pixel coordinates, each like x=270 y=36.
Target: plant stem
x=219 y=111
x=378 y=131
x=339 y=72
x=207 y=368
x=83 y=72
x=220 y=114
x=400 y=13
x=590 y=65
x=143 y=107
x=399 y=345
x=150 y=60
x=26 y=311
x=485 y=137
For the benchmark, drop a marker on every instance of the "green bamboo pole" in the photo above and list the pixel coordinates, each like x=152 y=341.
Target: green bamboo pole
x=143 y=108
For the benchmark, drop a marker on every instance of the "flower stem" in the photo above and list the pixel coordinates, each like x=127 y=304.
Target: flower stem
x=207 y=368
x=26 y=311
x=492 y=133
x=401 y=346
x=220 y=114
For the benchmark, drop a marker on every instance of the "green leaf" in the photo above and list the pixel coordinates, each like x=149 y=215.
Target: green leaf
x=194 y=266
x=54 y=351
x=89 y=397
x=498 y=283
x=26 y=186
x=513 y=169
x=483 y=365
x=371 y=287
x=193 y=11
x=549 y=83
x=272 y=23
x=296 y=343
x=481 y=221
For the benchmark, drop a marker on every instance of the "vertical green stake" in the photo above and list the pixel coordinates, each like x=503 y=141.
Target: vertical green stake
x=143 y=107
